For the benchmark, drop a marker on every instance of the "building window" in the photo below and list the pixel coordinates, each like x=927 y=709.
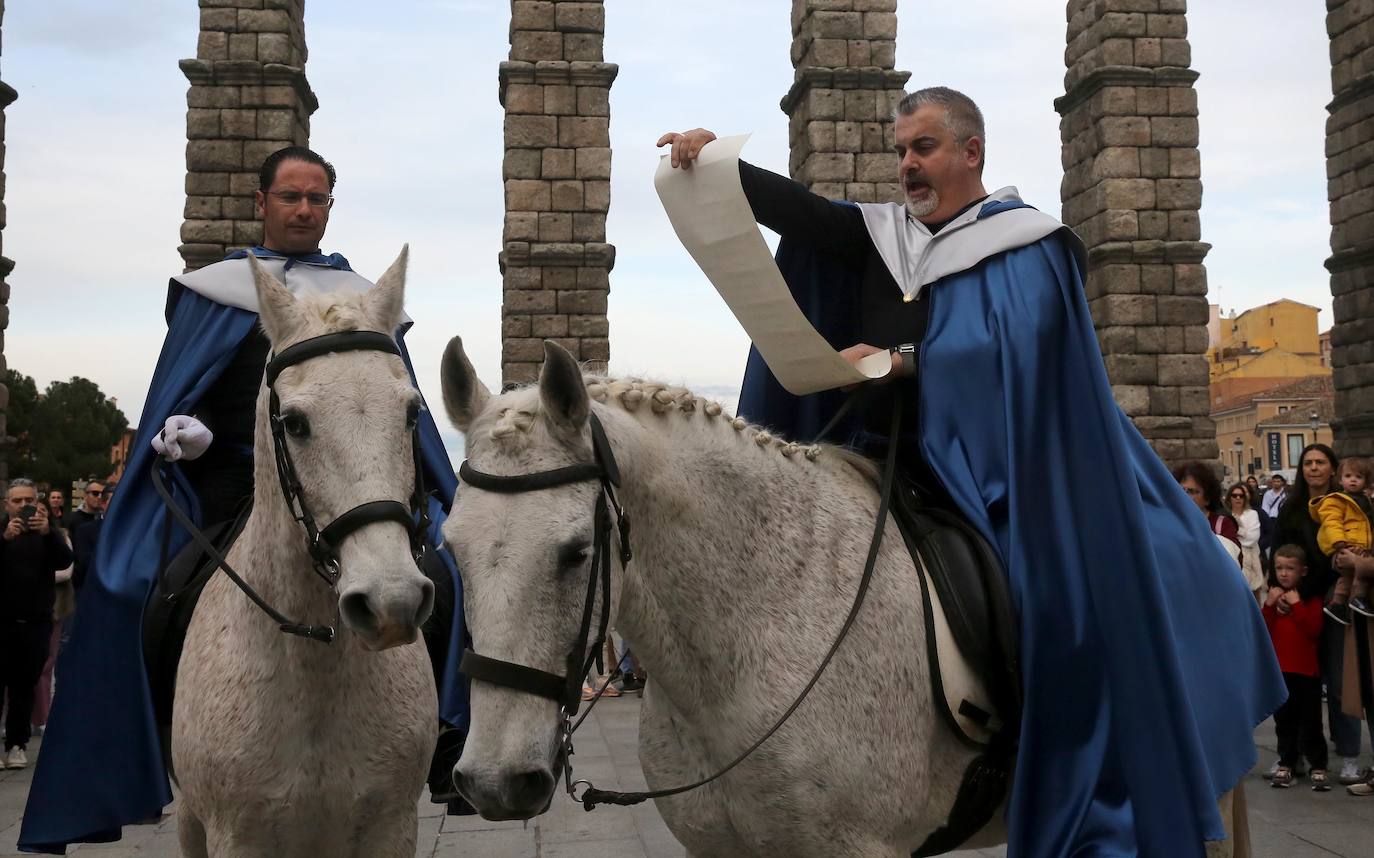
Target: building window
x=1295 y=445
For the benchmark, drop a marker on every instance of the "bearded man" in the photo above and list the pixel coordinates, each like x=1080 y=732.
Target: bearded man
x=1144 y=660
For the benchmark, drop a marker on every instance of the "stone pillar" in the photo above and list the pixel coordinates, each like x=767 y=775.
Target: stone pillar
x=1131 y=190
x=1350 y=188
x=248 y=98
x=555 y=262
x=7 y=97
x=844 y=91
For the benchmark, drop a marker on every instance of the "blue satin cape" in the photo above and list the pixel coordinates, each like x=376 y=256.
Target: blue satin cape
x=1145 y=660
x=101 y=763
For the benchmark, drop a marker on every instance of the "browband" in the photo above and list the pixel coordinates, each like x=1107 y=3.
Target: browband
x=343 y=341
x=528 y=482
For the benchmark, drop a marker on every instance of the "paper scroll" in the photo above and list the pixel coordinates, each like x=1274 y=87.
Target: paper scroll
x=712 y=218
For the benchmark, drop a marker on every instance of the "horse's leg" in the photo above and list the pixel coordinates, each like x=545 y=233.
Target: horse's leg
x=191 y=833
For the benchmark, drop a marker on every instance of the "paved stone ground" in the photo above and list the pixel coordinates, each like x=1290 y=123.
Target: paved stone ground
x=1293 y=823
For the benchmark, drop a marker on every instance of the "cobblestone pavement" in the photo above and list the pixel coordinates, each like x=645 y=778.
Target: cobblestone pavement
x=1293 y=823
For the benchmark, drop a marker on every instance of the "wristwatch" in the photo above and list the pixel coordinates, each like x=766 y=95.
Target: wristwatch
x=908 y=353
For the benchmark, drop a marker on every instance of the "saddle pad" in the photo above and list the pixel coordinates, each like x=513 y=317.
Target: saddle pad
x=951 y=673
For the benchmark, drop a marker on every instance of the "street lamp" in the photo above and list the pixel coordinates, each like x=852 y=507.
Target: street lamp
x=1240 y=451
x=1312 y=415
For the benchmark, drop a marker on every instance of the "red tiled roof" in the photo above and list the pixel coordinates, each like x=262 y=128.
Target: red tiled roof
x=1312 y=387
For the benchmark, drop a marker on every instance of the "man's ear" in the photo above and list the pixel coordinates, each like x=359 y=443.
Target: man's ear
x=974 y=154
x=260 y=200
x=276 y=305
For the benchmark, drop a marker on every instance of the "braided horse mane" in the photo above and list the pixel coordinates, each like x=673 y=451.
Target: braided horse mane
x=636 y=395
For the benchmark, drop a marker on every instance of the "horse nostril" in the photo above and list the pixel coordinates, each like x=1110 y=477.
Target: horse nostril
x=531 y=789
x=426 y=603
x=357 y=611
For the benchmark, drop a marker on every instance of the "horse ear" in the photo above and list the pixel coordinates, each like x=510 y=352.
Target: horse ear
x=562 y=390
x=464 y=394
x=276 y=305
x=386 y=301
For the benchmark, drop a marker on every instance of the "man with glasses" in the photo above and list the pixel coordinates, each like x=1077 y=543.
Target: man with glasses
x=92 y=507
x=200 y=413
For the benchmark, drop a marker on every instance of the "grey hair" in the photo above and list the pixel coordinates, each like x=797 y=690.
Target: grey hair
x=23 y=483
x=962 y=117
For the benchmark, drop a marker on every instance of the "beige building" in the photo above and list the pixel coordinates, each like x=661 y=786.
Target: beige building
x=1263 y=426
x=1276 y=340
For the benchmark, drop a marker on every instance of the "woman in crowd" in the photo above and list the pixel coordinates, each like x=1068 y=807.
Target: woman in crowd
x=1201 y=483
x=1238 y=500
x=1317 y=475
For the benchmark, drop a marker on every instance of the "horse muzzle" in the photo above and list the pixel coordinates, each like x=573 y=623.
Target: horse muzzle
x=508 y=794
x=384 y=617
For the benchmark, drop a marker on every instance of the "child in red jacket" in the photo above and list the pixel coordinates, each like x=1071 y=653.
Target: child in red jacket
x=1295 y=624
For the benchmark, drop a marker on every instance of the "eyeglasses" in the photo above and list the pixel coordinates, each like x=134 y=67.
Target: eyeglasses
x=1235 y=495
x=293 y=198
x=94 y=493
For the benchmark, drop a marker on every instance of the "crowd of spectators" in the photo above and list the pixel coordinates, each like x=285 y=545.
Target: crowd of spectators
x=1305 y=552
x=43 y=554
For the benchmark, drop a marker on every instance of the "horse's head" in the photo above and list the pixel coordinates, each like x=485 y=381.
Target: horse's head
x=348 y=420
x=525 y=559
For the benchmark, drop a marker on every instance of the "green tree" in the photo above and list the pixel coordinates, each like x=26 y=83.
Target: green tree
x=68 y=430
x=23 y=399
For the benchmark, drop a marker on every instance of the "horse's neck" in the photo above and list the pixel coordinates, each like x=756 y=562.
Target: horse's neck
x=732 y=542
x=272 y=548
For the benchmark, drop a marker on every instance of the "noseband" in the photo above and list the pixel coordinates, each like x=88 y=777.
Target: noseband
x=321 y=543
x=566 y=690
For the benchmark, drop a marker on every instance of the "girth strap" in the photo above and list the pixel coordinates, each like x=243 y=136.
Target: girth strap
x=363 y=515
x=508 y=674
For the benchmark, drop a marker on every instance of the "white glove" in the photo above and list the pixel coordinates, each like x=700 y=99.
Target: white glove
x=182 y=438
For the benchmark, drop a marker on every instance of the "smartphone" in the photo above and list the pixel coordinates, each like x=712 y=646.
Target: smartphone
x=26 y=512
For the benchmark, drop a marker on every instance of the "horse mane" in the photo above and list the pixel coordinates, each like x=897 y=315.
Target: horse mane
x=637 y=395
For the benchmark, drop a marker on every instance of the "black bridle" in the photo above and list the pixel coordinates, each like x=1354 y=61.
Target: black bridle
x=321 y=543
x=566 y=690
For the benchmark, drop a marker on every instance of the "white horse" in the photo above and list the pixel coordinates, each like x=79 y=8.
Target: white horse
x=748 y=552
x=285 y=746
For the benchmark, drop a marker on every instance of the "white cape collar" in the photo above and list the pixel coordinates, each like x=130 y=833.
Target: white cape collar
x=916 y=258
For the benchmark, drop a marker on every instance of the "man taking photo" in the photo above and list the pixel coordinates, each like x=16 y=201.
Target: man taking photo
x=31 y=553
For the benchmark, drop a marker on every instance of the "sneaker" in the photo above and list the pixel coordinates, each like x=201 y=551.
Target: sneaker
x=1350 y=771
x=1283 y=778
x=16 y=758
x=1319 y=780
x=1273 y=770
x=1339 y=613
x=1361 y=607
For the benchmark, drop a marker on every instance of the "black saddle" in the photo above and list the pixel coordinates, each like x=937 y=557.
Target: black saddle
x=971 y=585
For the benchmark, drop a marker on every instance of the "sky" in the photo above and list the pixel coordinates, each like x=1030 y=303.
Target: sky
x=409 y=114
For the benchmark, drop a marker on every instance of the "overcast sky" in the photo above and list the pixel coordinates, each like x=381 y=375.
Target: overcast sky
x=409 y=115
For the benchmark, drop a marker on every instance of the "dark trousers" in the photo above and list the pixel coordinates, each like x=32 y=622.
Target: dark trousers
x=23 y=651
x=1298 y=723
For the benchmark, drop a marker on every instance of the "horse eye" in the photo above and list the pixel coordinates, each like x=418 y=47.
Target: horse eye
x=572 y=555
x=296 y=425
x=413 y=415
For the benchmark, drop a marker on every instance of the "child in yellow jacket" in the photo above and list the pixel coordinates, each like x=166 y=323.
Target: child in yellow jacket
x=1344 y=519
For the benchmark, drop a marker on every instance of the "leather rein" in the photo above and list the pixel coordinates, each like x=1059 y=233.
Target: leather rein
x=322 y=544
x=566 y=689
